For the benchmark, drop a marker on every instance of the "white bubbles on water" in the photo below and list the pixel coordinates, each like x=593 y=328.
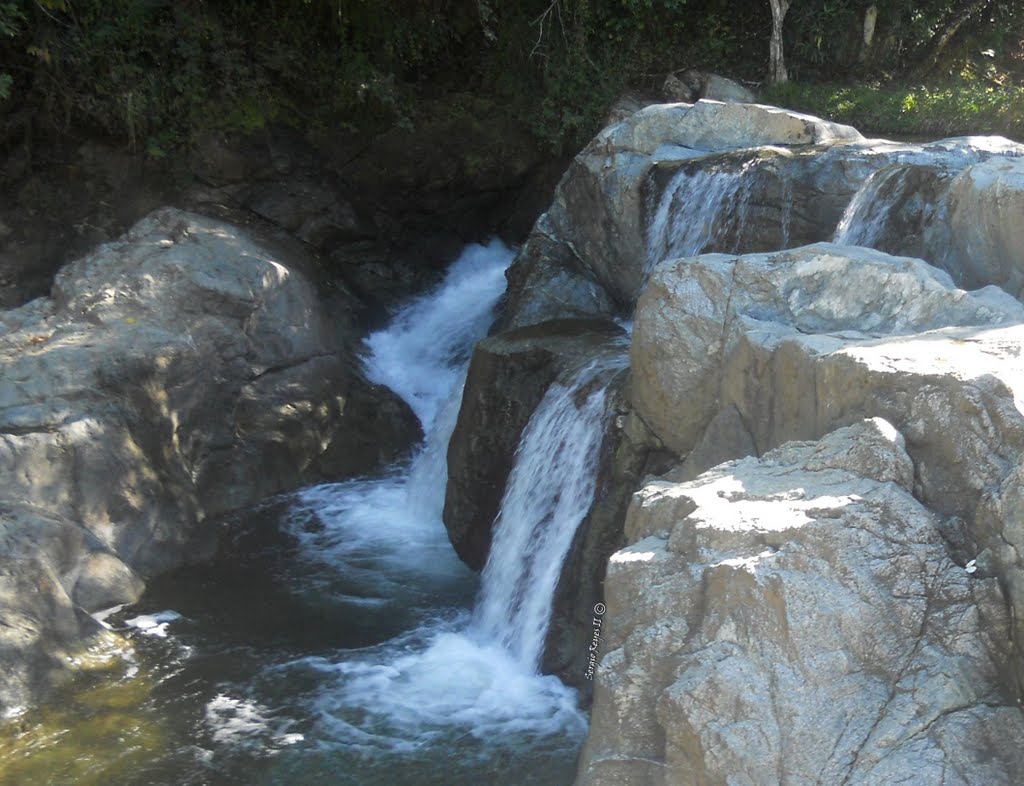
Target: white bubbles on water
x=423 y=352
x=400 y=698
x=240 y=722
x=444 y=685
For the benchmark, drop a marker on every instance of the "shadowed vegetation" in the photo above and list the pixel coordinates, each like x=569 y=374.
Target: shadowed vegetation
x=153 y=73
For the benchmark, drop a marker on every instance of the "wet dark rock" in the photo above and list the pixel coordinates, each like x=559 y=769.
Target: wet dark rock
x=508 y=376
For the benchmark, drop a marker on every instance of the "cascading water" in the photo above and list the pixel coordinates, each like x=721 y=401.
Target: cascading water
x=901 y=210
x=550 y=490
x=385 y=528
x=866 y=216
x=787 y=206
x=361 y=660
x=688 y=216
x=423 y=353
x=460 y=685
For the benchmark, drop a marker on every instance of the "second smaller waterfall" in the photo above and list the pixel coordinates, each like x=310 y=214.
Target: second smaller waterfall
x=897 y=210
x=549 y=492
x=864 y=219
x=693 y=212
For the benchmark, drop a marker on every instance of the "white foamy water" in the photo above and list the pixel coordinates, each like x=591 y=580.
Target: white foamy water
x=244 y=723
x=422 y=354
x=457 y=679
x=550 y=490
x=385 y=533
x=439 y=686
x=477 y=676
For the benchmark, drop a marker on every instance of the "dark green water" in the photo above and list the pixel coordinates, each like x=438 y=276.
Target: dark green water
x=244 y=688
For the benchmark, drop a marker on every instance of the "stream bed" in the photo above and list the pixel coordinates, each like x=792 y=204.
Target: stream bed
x=335 y=639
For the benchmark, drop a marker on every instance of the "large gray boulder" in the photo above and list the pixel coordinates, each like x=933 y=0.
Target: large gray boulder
x=736 y=355
x=598 y=206
x=681 y=179
x=794 y=344
x=693 y=85
x=548 y=282
x=695 y=311
x=984 y=237
x=177 y=374
x=797 y=619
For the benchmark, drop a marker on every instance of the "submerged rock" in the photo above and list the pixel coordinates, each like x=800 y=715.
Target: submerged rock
x=797 y=618
x=179 y=373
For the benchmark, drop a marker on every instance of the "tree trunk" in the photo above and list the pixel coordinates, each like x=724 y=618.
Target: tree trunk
x=868 y=37
x=776 y=63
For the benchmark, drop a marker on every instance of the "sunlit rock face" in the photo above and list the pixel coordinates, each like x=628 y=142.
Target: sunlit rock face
x=709 y=331
x=798 y=618
x=674 y=180
x=843 y=610
x=179 y=373
x=840 y=611
x=985 y=235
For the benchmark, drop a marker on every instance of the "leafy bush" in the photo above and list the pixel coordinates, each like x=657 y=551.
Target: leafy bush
x=962 y=108
x=11 y=18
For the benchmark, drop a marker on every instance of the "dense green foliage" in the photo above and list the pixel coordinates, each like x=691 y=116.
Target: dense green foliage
x=154 y=72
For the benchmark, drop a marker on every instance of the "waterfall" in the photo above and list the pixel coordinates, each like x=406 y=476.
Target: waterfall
x=423 y=353
x=378 y=531
x=787 y=206
x=865 y=218
x=458 y=679
x=550 y=490
x=692 y=212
